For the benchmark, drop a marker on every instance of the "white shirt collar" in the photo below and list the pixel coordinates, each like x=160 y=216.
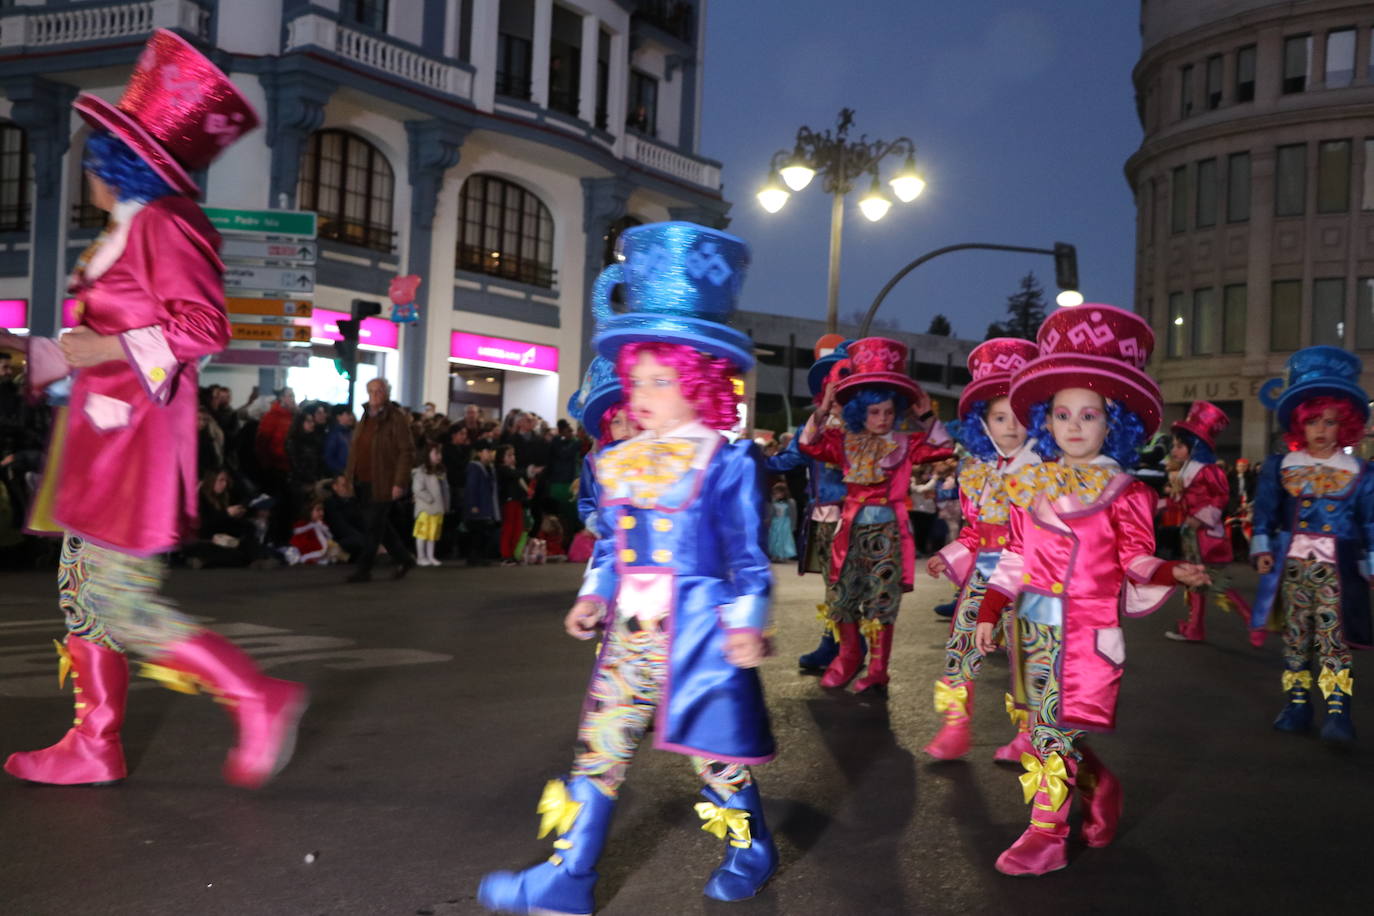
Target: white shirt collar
x=1340 y=460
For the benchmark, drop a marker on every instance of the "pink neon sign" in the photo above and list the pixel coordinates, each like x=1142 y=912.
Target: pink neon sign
x=14 y=314
x=498 y=351
x=375 y=332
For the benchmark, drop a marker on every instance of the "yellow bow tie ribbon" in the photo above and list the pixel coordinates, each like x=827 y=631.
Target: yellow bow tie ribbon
x=951 y=699
x=1050 y=776
x=1017 y=716
x=1301 y=679
x=1054 y=479
x=556 y=810
x=64 y=663
x=1331 y=681
x=864 y=453
x=646 y=466
x=720 y=820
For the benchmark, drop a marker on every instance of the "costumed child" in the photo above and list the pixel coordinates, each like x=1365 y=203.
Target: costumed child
x=1314 y=529
x=121 y=473
x=429 y=485
x=313 y=541
x=1200 y=498
x=1080 y=550
x=998 y=448
x=599 y=405
x=679 y=588
x=873 y=559
x=825 y=496
x=782 y=546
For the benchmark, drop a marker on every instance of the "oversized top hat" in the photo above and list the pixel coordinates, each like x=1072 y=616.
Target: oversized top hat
x=820 y=369
x=1098 y=347
x=178 y=112
x=1316 y=372
x=600 y=391
x=1205 y=420
x=874 y=362
x=682 y=282
x=992 y=364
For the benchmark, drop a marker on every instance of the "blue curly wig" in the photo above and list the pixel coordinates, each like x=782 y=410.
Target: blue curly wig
x=113 y=162
x=1197 y=449
x=1125 y=434
x=856 y=411
x=973 y=436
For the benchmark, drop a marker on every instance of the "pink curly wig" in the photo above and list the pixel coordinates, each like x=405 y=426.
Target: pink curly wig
x=1350 y=431
x=603 y=438
x=707 y=382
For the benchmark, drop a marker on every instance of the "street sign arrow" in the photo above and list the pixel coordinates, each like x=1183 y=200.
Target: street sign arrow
x=244 y=277
x=254 y=251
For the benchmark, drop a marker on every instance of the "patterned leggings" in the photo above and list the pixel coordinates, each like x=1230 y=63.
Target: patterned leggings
x=111 y=599
x=625 y=692
x=1038 y=647
x=1312 y=595
x=870 y=584
x=962 y=658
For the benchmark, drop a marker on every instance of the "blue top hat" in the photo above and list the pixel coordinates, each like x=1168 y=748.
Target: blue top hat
x=681 y=283
x=1316 y=372
x=600 y=391
x=820 y=369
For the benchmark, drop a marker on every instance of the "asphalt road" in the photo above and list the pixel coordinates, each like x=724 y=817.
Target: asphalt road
x=444 y=702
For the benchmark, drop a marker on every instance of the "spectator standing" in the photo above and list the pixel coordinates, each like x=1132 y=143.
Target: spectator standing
x=515 y=490
x=273 y=429
x=565 y=454
x=380 y=457
x=336 y=438
x=429 y=484
x=481 y=504
x=923 y=485
x=472 y=422
x=457 y=452
x=209 y=442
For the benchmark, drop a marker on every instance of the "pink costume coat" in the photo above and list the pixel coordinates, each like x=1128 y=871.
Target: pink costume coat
x=1204 y=497
x=913 y=448
x=126 y=478
x=1084 y=564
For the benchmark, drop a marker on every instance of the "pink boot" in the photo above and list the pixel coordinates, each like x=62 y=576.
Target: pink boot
x=1101 y=793
x=1192 y=629
x=90 y=754
x=1011 y=751
x=266 y=710
x=842 y=670
x=879 y=654
x=953 y=702
x=1043 y=848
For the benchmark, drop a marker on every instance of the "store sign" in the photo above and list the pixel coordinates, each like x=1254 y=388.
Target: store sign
x=375 y=332
x=498 y=351
x=14 y=314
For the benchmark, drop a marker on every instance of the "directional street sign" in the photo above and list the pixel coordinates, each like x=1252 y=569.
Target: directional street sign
x=242 y=331
x=249 y=250
x=272 y=279
x=287 y=307
x=272 y=223
x=296 y=357
x=298 y=346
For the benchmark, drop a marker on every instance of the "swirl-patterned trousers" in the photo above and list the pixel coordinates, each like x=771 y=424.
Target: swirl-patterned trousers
x=112 y=599
x=626 y=689
x=963 y=661
x=1312 y=597
x=870 y=583
x=1036 y=660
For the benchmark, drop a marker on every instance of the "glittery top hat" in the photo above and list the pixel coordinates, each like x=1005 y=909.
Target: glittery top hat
x=992 y=364
x=1205 y=420
x=1315 y=372
x=178 y=112
x=600 y=391
x=1098 y=347
x=820 y=369
x=874 y=362
x=681 y=284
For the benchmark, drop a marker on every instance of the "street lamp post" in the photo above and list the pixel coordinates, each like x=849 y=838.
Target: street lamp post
x=841 y=163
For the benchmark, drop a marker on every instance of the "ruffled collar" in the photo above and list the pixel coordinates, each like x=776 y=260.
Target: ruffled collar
x=1055 y=479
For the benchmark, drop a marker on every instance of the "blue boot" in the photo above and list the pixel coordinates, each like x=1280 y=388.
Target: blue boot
x=565 y=884
x=1297 y=715
x=820 y=658
x=750 y=858
x=1337 y=728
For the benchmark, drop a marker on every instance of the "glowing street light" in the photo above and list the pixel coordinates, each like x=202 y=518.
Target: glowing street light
x=773 y=196
x=875 y=203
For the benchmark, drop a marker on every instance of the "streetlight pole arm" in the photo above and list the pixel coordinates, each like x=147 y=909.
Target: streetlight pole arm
x=930 y=255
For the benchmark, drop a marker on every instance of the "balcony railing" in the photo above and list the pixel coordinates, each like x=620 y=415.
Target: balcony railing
x=78 y=25
x=671 y=162
x=671 y=16
x=378 y=53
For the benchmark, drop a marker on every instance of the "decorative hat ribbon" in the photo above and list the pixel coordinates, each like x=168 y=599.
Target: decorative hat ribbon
x=719 y=820
x=1051 y=776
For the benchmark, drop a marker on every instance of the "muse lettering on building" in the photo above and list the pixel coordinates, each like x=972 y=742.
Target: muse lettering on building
x=1213 y=390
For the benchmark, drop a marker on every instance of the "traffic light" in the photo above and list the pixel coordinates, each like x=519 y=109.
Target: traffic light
x=1065 y=266
x=346 y=350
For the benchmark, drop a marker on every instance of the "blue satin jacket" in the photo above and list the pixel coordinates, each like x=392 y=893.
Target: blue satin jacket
x=588 y=492
x=702 y=541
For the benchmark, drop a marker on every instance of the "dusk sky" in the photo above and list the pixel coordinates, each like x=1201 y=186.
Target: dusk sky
x=1022 y=114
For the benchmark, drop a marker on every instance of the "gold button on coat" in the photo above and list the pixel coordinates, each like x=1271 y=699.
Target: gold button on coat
x=627 y=522
x=662 y=556
x=663 y=524
x=627 y=555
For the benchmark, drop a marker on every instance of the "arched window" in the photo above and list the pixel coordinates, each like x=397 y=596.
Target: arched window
x=504 y=231
x=16 y=179
x=349 y=183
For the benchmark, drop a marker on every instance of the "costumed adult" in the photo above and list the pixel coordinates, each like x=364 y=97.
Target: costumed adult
x=121 y=474
x=873 y=558
x=825 y=495
x=1314 y=528
x=1080 y=550
x=679 y=589
x=999 y=448
x=1200 y=498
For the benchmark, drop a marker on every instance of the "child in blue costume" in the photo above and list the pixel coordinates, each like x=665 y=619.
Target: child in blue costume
x=599 y=405
x=678 y=589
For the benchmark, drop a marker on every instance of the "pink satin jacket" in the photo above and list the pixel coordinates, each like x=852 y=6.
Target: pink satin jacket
x=1204 y=497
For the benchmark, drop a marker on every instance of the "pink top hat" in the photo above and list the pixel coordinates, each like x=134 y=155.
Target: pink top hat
x=874 y=362
x=1205 y=420
x=992 y=364
x=178 y=112
x=1098 y=347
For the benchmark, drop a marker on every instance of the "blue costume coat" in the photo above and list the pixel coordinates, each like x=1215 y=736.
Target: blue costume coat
x=696 y=540
x=588 y=492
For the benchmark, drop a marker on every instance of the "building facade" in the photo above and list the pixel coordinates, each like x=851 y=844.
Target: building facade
x=495 y=148
x=1254 y=186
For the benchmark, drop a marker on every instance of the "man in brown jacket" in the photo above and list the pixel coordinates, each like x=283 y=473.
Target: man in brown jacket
x=380 y=457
